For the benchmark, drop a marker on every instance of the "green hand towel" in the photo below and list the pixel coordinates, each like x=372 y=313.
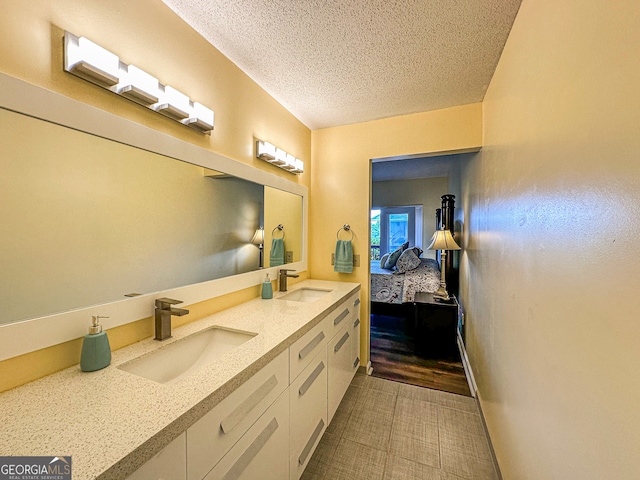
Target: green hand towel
x=277 y=252
x=344 y=257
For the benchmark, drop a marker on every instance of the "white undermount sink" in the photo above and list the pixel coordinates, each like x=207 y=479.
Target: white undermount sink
x=305 y=295
x=176 y=360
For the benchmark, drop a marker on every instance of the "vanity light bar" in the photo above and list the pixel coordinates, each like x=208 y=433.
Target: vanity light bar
x=278 y=157
x=93 y=63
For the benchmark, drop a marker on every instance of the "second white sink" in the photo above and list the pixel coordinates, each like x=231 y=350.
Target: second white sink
x=169 y=364
x=305 y=295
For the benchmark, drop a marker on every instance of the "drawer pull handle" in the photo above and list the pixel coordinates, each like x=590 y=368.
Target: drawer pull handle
x=356 y=323
x=311 y=345
x=356 y=302
x=250 y=453
x=341 y=317
x=235 y=417
x=307 y=448
x=356 y=362
x=312 y=378
x=339 y=345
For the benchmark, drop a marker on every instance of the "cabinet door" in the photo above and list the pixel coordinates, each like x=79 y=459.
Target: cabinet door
x=340 y=367
x=168 y=464
x=308 y=416
x=263 y=452
x=355 y=344
x=214 y=434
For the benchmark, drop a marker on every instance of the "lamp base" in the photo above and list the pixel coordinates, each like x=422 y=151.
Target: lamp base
x=441 y=294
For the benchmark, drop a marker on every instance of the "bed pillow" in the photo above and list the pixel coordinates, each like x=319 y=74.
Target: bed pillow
x=417 y=251
x=408 y=260
x=383 y=260
x=395 y=255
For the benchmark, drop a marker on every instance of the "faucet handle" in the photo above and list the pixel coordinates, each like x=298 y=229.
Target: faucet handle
x=164 y=302
x=285 y=270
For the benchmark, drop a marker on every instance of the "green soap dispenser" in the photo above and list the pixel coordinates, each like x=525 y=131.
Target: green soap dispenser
x=96 y=352
x=267 y=288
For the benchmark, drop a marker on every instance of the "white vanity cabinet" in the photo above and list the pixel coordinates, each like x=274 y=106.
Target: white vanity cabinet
x=340 y=353
x=262 y=453
x=308 y=415
x=269 y=427
x=211 y=437
x=170 y=463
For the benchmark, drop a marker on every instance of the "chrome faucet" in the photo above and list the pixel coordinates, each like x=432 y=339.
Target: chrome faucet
x=163 y=314
x=282 y=276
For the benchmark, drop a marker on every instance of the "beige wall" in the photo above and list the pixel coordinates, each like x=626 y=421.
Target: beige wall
x=420 y=191
x=550 y=269
x=148 y=34
x=341 y=180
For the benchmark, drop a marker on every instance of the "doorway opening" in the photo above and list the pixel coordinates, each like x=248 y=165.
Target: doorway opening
x=405 y=197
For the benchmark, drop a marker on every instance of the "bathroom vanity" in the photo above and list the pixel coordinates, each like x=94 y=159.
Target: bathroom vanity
x=257 y=411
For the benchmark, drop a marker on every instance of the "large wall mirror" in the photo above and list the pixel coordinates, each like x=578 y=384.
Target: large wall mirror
x=89 y=220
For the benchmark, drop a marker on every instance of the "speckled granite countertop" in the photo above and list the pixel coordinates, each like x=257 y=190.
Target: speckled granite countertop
x=112 y=421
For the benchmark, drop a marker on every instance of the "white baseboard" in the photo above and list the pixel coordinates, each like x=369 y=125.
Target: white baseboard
x=369 y=368
x=474 y=391
x=467 y=368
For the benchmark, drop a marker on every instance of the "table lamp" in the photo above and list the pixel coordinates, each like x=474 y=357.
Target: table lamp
x=442 y=240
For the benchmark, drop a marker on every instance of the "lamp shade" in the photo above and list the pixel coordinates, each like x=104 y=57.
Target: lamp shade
x=258 y=237
x=443 y=240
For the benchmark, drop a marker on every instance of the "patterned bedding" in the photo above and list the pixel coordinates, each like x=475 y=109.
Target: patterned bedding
x=389 y=286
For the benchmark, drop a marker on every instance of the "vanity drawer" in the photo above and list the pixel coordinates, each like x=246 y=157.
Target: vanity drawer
x=308 y=404
x=302 y=352
x=263 y=452
x=214 y=434
x=170 y=462
x=341 y=315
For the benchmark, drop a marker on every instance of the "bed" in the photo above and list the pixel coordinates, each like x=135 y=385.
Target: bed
x=392 y=292
x=390 y=286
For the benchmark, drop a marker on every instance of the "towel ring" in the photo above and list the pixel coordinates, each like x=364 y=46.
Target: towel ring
x=347 y=228
x=279 y=227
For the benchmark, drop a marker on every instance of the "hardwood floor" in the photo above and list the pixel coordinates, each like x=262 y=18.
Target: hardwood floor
x=393 y=358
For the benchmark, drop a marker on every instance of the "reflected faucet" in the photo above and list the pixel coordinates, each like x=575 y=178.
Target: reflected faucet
x=163 y=314
x=282 y=276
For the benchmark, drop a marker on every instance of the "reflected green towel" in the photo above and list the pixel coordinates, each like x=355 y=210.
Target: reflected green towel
x=276 y=257
x=344 y=257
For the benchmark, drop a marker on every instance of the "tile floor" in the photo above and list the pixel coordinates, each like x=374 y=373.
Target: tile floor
x=385 y=430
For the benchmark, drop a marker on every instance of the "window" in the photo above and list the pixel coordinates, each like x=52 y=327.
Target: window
x=393 y=226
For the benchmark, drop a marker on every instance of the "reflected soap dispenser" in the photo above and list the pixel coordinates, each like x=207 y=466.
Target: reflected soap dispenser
x=267 y=288
x=96 y=352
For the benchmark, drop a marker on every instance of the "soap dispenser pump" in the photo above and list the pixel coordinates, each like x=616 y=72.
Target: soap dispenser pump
x=96 y=352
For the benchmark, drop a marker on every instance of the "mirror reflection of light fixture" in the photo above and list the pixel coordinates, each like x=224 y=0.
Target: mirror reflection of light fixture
x=93 y=63
x=442 y=240
x=258 y=239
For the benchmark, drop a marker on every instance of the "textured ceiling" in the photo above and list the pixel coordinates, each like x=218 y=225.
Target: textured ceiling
x=332 y=62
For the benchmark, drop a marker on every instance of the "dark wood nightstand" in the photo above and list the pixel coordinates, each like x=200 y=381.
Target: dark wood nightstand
x=435 y=325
